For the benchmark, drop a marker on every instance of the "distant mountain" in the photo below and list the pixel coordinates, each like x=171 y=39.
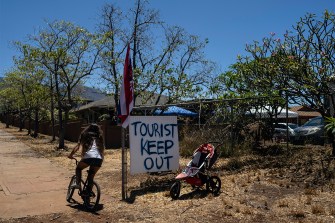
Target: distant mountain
x=88 y=94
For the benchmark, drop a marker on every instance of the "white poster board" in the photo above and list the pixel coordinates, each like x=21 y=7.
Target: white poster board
x=154 y=144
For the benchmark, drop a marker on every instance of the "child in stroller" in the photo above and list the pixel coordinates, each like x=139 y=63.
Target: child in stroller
x=196 y=173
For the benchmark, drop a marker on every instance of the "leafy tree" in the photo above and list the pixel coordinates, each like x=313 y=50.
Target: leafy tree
x=256 y=76
x=302 y=65
x=311 y=47
x=24 y=84
x=7 y=101
x=36 y=90
x=69 y=53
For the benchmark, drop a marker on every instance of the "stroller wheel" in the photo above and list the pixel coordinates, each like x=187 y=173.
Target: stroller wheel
x=175 y=190
x=213 y=185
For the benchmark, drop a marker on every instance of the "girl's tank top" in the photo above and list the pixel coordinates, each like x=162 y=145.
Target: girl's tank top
x=93 y=152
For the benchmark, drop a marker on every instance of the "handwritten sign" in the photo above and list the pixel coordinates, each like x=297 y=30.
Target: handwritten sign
x=154 y=145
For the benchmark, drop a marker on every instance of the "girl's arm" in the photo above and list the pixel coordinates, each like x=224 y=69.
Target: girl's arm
x=74 y=150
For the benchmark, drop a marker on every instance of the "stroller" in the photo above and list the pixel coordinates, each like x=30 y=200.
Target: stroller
x=196 y=172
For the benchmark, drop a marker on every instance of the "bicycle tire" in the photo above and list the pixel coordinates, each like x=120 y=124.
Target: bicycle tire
x=91 y=201
x=70 y=189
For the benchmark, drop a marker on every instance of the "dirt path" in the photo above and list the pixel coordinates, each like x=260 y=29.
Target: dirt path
x=29 y=184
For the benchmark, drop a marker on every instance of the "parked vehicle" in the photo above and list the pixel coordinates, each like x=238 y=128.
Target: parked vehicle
x=280 y=130
x=292 y=125
x=311 y=132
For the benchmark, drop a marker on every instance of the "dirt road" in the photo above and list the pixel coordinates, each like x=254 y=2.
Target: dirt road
x=29 y=184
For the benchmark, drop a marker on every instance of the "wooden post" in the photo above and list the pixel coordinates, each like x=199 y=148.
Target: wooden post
x=124 y=165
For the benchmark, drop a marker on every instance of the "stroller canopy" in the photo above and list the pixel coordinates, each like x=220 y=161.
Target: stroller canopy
x=206 y=148
x=202 y=153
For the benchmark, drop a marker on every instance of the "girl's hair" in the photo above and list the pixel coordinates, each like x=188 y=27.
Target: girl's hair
x=91 y=132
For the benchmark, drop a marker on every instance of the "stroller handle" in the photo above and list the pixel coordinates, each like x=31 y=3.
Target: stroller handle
x=217 y=143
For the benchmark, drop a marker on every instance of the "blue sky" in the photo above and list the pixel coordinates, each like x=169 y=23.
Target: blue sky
x=229 y=25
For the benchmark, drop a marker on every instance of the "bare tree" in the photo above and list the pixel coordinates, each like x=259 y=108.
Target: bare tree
x=166 y=59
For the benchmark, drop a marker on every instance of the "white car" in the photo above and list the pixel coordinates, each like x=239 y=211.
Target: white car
x=280 y=130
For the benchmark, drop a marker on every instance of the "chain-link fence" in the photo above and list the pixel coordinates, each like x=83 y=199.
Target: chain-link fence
x=240 y=124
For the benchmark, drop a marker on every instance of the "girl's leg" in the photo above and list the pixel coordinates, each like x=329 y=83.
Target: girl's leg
x=91 y=173
x=81 y=165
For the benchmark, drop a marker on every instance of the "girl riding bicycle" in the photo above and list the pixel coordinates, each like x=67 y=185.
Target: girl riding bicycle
x=92 y=147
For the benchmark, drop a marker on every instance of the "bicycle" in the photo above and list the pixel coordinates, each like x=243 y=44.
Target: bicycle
x=90 y=198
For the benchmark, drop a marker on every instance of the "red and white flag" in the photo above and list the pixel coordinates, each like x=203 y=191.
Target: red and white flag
x=127 y=92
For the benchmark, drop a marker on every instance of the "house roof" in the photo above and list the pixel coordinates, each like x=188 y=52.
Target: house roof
x=109 y=102
x=304 y=111
x=163 y=100
x=265 y=112
x=106 y=102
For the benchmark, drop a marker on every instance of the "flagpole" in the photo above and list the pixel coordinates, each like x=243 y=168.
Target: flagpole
x=124 y=166
x=125 y=106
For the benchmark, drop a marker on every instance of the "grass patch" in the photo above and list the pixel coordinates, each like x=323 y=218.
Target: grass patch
x=318 y=209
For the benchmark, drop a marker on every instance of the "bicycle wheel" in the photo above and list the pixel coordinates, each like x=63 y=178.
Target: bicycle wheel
x=91 y=198
x=70 y=189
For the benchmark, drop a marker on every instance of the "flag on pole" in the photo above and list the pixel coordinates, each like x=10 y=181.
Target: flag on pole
x=126 y=102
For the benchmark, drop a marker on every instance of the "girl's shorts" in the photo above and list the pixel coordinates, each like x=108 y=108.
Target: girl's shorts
x=93 y=162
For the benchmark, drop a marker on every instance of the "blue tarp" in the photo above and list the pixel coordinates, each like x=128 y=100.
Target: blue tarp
x=175 y=110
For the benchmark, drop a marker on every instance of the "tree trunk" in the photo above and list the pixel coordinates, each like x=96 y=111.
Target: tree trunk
x=52 y=110
x=29 y=123
x=61 y=128
x=36 y=124
x=60 y=115
x=21 y=120
x=66 y=120
x=7 y=119
x=53 y=121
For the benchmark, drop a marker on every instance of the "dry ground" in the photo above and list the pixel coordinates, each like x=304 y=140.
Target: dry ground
x=272 y=185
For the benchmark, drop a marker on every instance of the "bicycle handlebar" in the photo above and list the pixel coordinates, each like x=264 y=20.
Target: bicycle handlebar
x=74 y=158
